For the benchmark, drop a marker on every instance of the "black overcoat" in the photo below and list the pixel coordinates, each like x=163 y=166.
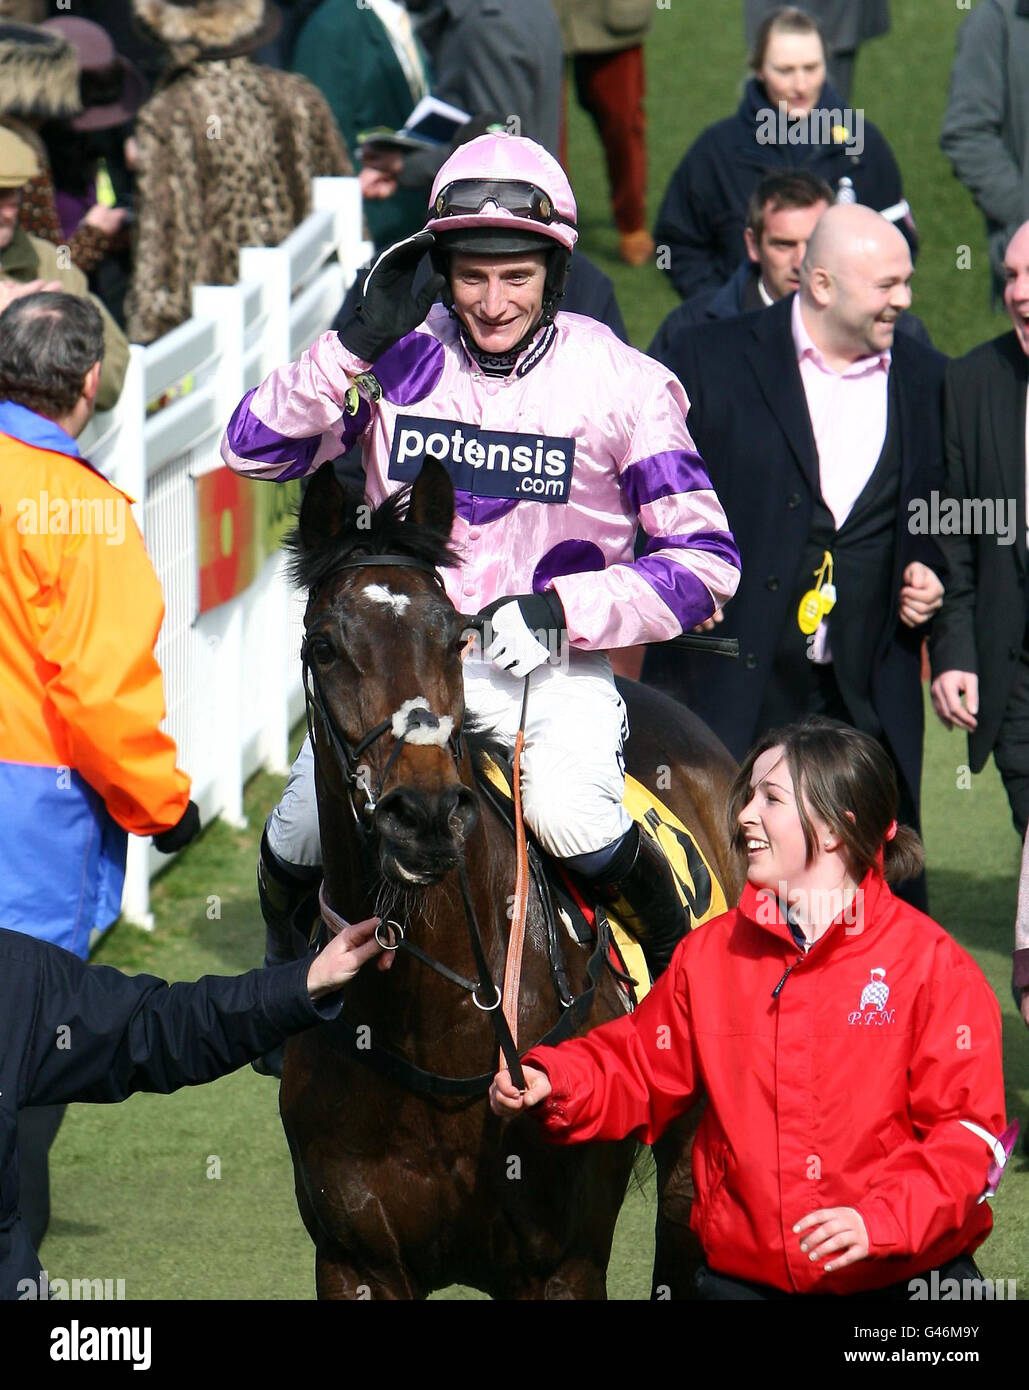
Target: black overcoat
x=982 y=623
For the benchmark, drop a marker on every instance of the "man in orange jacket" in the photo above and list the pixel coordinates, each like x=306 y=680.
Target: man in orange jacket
x=83 y=760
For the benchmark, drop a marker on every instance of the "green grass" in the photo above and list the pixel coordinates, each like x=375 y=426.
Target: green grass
x=131 y=1194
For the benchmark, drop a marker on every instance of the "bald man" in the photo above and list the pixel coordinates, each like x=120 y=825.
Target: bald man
x=980 y=646
x=822 y=430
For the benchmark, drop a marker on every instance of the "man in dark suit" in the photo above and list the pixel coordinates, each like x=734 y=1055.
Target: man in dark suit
x=820 y=428
x=980 y=647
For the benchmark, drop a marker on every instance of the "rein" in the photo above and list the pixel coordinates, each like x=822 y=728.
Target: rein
x=520 y=906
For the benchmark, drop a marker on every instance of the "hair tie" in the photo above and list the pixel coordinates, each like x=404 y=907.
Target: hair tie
x=891 y=830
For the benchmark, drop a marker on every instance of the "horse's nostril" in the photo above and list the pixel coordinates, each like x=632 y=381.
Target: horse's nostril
x=459 y=810
x=400 y=815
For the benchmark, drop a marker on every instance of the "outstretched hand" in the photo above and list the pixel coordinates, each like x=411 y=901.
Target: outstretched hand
x=343 y=957
x=506 y=1099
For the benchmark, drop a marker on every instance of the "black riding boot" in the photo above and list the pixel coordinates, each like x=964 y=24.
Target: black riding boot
x=282 y=889
x=646 y=900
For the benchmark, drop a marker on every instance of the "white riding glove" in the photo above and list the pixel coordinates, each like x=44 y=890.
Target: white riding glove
x=513 y=625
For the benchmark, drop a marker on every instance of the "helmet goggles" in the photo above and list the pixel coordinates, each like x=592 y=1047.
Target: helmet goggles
x=468 y=197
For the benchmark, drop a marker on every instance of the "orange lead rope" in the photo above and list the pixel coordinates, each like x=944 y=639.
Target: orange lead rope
x=520 y=905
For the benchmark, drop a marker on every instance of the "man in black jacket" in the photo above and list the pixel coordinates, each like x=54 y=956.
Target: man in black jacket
x=820 y=427
x=980 y=644
x=71 y=1031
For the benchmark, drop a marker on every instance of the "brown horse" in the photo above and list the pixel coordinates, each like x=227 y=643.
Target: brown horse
x=405 y=1180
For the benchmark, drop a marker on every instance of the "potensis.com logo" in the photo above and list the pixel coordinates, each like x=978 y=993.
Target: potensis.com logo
x=486 y=463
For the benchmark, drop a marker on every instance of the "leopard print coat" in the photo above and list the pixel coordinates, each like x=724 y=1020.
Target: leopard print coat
x=227 y=151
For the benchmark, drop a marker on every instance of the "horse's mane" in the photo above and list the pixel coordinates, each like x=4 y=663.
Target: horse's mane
x=482 y=740
x=384 y=530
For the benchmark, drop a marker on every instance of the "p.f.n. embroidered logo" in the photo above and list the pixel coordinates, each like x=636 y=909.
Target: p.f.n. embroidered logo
x=872 y=1010
x=877 y=991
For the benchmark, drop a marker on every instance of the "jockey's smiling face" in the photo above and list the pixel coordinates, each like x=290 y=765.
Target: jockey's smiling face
x=498 y=298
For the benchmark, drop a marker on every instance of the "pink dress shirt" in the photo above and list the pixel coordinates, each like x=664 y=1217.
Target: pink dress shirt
x=848 y=418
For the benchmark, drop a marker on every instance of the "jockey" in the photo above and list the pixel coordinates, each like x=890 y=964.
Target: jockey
x=560 y=441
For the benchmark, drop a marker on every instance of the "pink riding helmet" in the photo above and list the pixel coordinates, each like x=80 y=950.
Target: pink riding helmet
x=506 y=182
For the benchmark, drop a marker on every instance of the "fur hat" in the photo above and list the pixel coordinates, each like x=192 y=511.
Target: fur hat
x=18 y=162
x=39 y=73
x=209 y=28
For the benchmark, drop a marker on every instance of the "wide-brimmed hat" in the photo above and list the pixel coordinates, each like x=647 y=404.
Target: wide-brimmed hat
x=210 y=28
x=112 y=89
x=18 y=162
x=39 y=73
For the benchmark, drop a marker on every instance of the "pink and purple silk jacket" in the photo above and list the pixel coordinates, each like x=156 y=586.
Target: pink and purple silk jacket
x=553 y=466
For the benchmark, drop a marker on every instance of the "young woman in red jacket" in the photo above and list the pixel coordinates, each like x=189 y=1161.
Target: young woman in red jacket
x=850 y=1050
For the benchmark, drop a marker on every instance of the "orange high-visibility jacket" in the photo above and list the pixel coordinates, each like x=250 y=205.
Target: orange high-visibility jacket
x=82 y=756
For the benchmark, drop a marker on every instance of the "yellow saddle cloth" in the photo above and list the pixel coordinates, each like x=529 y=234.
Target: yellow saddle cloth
x=699 y=890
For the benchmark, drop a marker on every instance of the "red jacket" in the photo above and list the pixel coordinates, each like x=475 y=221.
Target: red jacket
x=847 y=1089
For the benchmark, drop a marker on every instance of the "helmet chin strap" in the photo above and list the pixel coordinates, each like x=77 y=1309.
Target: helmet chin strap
x=503 y=363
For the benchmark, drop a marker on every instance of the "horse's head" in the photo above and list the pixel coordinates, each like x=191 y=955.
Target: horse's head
x=382 y=666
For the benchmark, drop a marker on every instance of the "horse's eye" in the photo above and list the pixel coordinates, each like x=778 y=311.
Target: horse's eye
x=322 y=650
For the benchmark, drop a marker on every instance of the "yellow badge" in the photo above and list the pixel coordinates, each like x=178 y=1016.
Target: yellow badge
x=818 y=602
x=809 y=614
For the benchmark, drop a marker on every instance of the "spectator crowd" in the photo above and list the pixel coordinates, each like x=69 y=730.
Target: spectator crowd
x=143 y=143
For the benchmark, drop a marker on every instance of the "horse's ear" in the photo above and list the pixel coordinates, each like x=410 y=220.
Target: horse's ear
x=432 y=499
x=328 y=508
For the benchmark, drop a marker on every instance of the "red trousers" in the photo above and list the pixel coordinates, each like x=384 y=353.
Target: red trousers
x=610 y=86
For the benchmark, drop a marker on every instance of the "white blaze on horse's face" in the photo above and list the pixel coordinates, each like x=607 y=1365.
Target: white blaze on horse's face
x=378 y=593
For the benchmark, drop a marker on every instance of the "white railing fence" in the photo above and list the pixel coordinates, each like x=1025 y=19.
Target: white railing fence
x=231 y=674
